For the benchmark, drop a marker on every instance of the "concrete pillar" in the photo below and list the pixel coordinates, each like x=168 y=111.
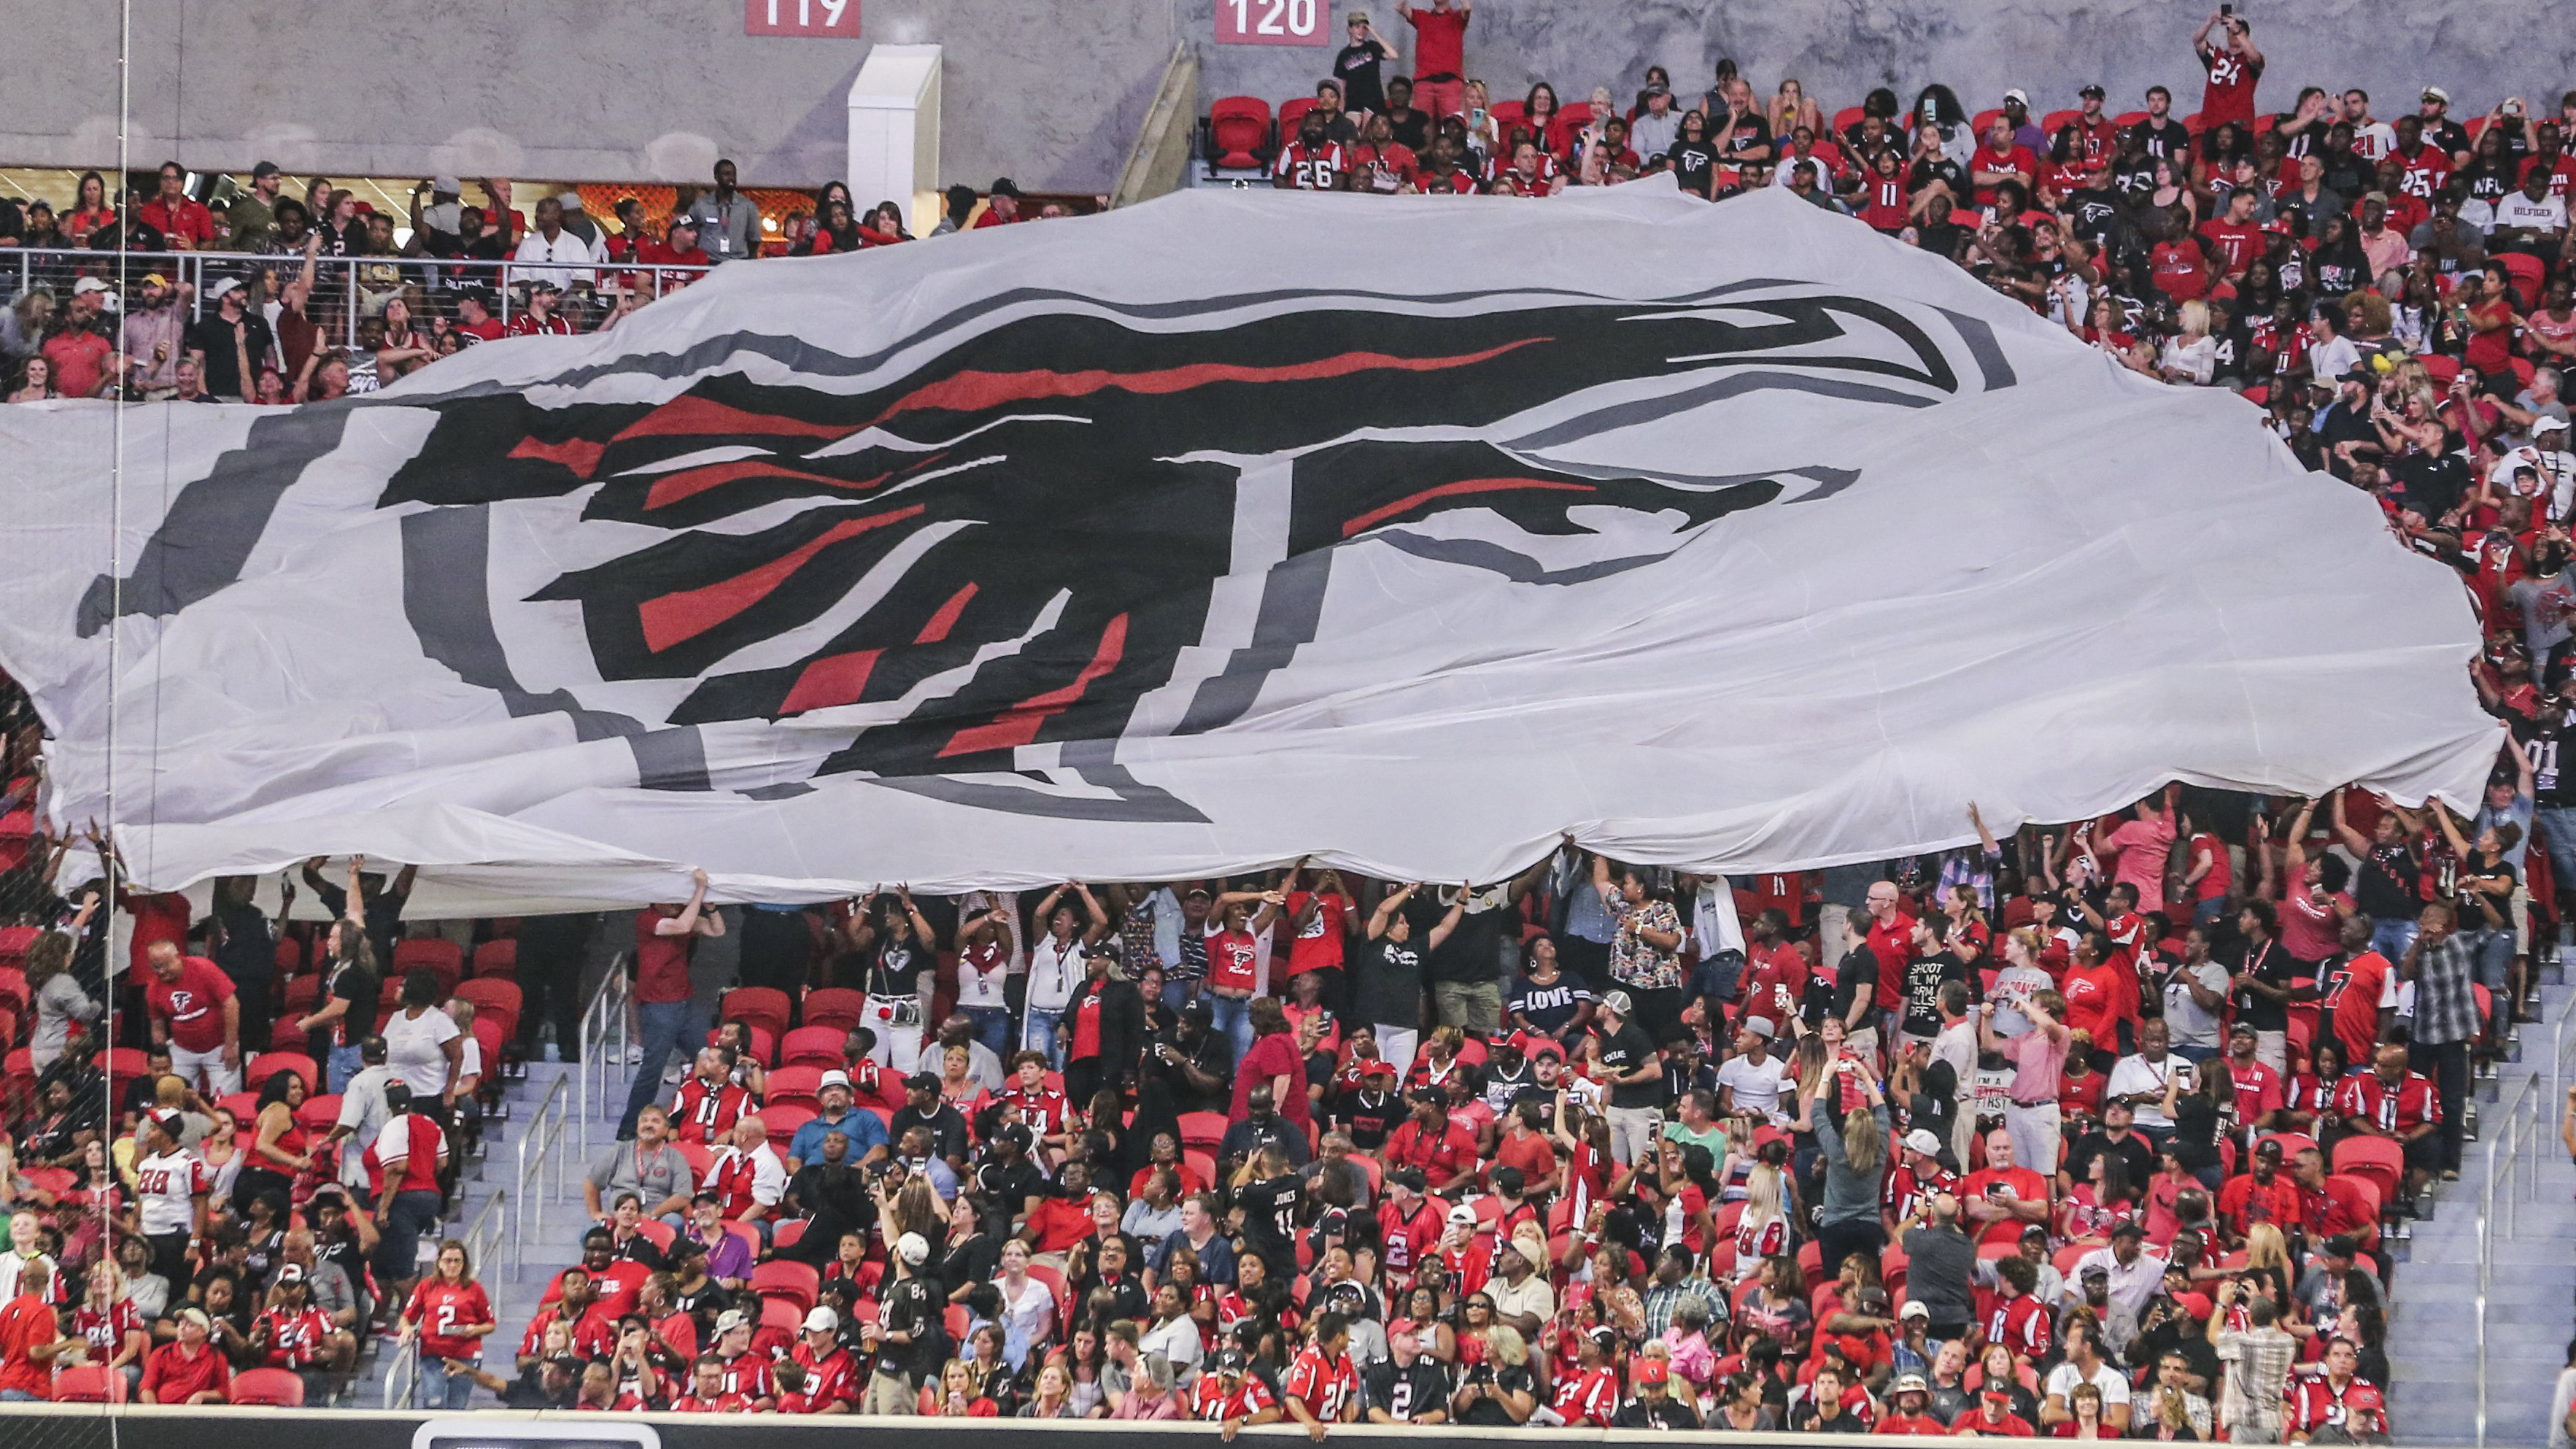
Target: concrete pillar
x=894 y=131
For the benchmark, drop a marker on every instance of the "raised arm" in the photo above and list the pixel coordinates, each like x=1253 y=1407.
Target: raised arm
x=1985 y=838
x=2353 y=840
x=686 y=922
x=1392 y=902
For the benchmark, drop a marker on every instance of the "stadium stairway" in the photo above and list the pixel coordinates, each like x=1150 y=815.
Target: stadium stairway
x=2531 y=1293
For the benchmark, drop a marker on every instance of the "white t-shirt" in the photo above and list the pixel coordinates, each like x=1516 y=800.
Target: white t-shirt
x=2131 y=1075
x=1054 y=969
x=165 y=1187
x=1756 y=1088
x=2113 y=1384
x=2549 y=213
x=417 y=1050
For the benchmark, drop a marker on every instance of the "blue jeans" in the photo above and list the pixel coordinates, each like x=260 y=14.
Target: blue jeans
x=2391 y=938
x=20 y=1396
x=1178 y=992
x=665 y=1025
x=1040 y=1036
x=343 y=1065
x=1234 y=1020
x=437 y=1390
x=2495 y=961
x=992 y=1028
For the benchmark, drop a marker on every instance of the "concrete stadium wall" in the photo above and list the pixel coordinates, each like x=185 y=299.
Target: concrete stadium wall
x=1052 y=94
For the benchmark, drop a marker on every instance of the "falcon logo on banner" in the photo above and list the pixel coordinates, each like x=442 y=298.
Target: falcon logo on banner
x=1014 y=552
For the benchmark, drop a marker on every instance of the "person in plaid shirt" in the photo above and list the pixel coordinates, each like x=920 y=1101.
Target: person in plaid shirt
x=2444 y=970
x=2257 y=1359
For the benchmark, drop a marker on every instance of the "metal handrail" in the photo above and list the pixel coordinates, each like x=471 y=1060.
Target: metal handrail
x=2509 y=1178
x=338 y=279
x=605 y=1014
x=402 y=1374
x=544 y=1136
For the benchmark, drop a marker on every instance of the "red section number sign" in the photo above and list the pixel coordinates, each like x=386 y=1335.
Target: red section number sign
x=801 y=17
x=1268 y=22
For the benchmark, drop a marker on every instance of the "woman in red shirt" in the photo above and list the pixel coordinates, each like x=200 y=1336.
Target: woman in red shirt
x=1275 y=1060
x=2097 y=998
x=2079 y=1087
x=451 y=1316
x=90 y=214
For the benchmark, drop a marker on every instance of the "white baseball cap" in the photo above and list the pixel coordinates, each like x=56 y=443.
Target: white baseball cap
x=822 y=1320
x=1922 y=1140
x=913 y=1249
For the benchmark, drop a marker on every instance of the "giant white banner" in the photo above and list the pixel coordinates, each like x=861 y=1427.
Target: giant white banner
x=1207 y=534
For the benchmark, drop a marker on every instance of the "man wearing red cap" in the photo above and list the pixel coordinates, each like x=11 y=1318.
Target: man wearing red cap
x=1655 y=1407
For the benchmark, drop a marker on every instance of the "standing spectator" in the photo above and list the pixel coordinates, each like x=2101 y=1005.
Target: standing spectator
x=56 y=994
x=403 y=1168
x=2446 y=1019
x=450 y=1316
x=252 y=218
x=2235 y=67
x=1390 y=985
x=665 y=938
x=171 y=1187
x=1645 y=947
x=1358 y=64
x=2257 y=1366
x=77 y=348
x=728 y=222
x=183 y=220
x=1439 y=54
x=1634 y=1073
x=30 y=1338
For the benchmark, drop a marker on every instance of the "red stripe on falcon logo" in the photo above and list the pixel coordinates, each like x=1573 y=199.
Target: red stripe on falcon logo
x=946 y=619
x=678 y=618
x=970 y=392
x=704 y=417
x=830 y=680
x=688 y=483
x=574 y=453
x=1018 y=725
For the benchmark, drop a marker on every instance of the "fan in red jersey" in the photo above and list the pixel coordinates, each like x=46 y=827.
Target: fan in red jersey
x=1228 y=1394
x=2336 y=1399
x=1312 y=162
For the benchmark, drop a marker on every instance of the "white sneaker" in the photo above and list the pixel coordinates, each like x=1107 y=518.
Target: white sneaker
x=635 y=1056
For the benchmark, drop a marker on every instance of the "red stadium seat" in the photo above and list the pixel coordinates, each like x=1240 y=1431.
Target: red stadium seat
x=1290 y=113
x=2194 y=124
x=815 y=1047
x=1204 y=1163
x=836 y=1007
x=662 y=1233
x=1506 y=114
x=699 y=1157
x=494 y=998
x=758 y=1006
x=2126 y=119
x=498 y=957
x=272 y=1388
x=795 y=1086
x=1202 y=1129
x=290 y=956
x=2377 y=1160
x=13 y=990
x=301 y=994
x=90 y=1383
x=269 y=1064
x=2054 y=120
x=783 y=1118
x=787 y=1234
x=436 y=954
x=1978 y=123
x=283 y=1037
x=319 y=1113
x=244 y=1106
x=781 y=1314
x=2529 y=274
x=750 y=1235
x=1238 y=129
x=1848 y=117
x=14 y=941
x=781 y=1277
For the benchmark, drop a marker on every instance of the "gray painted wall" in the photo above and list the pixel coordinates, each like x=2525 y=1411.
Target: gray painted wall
x=1051 y=94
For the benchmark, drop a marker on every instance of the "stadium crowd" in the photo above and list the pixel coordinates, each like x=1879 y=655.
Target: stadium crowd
x=2089 y=1132
x=319 y=296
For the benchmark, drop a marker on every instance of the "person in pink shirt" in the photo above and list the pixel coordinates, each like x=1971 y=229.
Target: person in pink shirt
x=2141 y=846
